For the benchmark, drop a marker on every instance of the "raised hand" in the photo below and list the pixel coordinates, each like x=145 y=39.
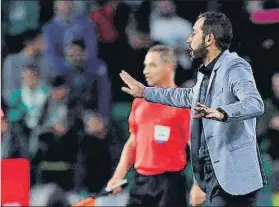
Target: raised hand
x=134 y=88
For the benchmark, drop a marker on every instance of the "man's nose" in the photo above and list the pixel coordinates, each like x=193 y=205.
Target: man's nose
x=145 y=71
x=188 y=39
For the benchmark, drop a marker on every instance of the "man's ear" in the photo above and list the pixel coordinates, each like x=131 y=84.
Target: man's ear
x=170 y=67
x=209 y=39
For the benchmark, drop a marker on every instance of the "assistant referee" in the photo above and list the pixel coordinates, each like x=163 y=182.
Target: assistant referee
x=159 y=136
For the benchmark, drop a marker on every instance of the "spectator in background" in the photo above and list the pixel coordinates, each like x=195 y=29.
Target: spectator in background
x=138 y=29
x=56 y=109
x=88 y=86
x=62 y=29
x=102 y=14
x=25 y=110
x=58 y=139
x=32 y=54
x=138 y=33
x=268 y=126
x=19 y=17
x=95 y=152
x=111 y=19
x=170 y=29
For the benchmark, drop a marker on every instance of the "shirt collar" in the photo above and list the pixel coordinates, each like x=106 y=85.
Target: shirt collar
x=208 y=69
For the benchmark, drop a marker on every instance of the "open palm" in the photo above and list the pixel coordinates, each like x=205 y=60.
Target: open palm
x=134 y=88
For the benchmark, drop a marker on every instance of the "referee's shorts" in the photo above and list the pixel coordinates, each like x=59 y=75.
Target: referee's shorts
x=167 y=189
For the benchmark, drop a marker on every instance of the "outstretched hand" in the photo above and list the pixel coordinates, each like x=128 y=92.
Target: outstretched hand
x=208 y=113
x=134 y=88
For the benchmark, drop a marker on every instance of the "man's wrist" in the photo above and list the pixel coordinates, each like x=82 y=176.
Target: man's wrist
x=225 y=115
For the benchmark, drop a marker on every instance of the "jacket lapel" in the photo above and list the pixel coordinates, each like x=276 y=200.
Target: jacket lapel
x=216 y=67
x=197 y=90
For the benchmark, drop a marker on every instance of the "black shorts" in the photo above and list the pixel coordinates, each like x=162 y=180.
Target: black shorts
x=167 y=189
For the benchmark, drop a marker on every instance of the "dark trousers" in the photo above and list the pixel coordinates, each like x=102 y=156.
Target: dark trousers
x=167 y=189
x=58 y=149
x=216 y=196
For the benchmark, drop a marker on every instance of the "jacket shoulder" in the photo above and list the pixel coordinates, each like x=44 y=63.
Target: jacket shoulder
x=234 y=59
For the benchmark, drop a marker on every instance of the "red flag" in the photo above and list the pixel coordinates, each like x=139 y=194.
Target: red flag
x=90 y=201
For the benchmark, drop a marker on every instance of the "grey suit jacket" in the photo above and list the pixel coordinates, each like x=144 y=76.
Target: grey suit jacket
x=232 y=144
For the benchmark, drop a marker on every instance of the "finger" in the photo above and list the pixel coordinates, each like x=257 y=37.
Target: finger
x=211 y=115
x=127 y=75
x=127 y=90
x=202 y=105
x=200 y=108
x=197 y=116
x=130 y=78
x=124 y=78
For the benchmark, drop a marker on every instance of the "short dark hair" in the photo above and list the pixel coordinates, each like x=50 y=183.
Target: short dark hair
x=79 y=42
x=220 y=26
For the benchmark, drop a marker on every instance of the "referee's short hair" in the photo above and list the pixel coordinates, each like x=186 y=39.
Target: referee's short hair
x=167 y=54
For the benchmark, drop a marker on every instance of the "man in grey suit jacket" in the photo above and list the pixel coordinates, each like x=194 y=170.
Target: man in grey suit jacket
x=224 y=103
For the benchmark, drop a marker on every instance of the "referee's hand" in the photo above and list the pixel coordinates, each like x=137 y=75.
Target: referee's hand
x=134 y=88
x=113 y=182
x=197 y=196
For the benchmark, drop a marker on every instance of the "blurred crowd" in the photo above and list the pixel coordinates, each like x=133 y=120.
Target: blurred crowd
x=60 y=82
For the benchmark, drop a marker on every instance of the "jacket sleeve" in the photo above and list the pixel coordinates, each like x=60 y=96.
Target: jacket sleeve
x=242 y=84
x=177 y=97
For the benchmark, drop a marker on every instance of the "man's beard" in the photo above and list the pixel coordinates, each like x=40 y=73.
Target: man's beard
x=76 y=65
x=200 y=52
